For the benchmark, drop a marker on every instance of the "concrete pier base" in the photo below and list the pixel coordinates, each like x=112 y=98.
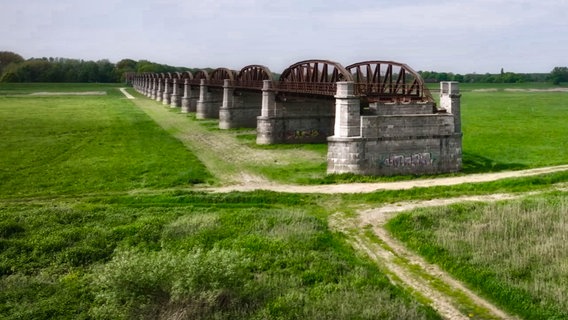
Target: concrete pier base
x=399 y=139
x=239 y=109
x=209 y=103
x=167 y=95
x=175 y=99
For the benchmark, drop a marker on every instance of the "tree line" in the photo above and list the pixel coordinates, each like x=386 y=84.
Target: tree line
x=14 y=68
x=502 y=77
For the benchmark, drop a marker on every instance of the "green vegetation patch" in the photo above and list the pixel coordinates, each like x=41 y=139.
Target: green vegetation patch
x=123 y=260
x=72 y=144
x=515 y=252
x=514 y=129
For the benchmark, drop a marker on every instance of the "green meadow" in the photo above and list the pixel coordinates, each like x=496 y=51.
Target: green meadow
x=103 y=215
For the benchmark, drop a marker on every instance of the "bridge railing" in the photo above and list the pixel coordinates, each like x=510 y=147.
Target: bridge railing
x=248 y=84
x=317 y=88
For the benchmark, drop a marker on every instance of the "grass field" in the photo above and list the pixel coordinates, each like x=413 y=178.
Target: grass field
x=100 y=216
x=514 y=129
x=515 y=252
x=77 y=144
x=91 y=226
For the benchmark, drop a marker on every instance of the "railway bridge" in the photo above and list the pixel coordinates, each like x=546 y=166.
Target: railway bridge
x=378 y=117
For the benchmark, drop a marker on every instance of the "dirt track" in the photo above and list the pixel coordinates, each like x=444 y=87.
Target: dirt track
x=400 y=185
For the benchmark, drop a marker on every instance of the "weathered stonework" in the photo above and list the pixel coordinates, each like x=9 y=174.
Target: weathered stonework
x=210 y=100
x=189 y=99
x=176 y=96
x=240 y=108
x=398 y=138
x=297 y=119
x=166 y=96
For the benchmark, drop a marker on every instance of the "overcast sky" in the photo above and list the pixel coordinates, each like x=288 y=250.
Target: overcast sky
x=442 y=35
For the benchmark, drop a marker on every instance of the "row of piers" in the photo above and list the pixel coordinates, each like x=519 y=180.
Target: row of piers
x=393 y=138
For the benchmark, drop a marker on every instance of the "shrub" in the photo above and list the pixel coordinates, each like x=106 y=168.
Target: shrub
x=149 y=285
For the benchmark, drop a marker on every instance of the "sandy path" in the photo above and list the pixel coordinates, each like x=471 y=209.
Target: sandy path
x=126 y=94
x=399 y=185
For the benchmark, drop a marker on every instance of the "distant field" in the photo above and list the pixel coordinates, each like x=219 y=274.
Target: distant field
x=73 y=144
x=513 y=130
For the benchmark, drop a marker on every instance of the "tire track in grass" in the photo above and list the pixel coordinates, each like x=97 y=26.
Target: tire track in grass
x=426 y=281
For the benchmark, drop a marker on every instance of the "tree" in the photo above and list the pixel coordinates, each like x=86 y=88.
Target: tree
x=7 y=58
x=559 y=74
x=123 y=66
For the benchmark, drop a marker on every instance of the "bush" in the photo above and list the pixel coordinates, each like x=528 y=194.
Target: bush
x=150 y=285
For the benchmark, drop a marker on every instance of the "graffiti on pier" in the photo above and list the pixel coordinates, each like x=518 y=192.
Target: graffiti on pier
x=302 y=134
x=415 y=160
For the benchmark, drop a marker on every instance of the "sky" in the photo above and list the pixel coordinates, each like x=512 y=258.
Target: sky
x=469 y=36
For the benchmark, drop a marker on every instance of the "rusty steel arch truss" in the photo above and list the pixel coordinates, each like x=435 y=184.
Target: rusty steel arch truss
x=219 y=75
x=252 y=77
x=317 y=77
x=388 y=81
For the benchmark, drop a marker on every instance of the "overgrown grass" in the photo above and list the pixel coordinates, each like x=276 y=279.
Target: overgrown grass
x=208 y=256
x=515 y=252
x=75 y=144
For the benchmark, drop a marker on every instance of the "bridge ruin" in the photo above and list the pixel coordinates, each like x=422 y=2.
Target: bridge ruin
x=378 y=117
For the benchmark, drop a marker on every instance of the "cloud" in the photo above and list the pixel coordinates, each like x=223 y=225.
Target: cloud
x=457 y=36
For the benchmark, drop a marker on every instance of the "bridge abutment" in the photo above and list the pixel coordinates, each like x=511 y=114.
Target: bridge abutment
x=398 y=139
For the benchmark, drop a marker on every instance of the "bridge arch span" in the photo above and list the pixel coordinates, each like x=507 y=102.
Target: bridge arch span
x=388 y=81
x=200 y=74
x=186 y=75
x=219 y=75
x=317 y=77
x=252 y=76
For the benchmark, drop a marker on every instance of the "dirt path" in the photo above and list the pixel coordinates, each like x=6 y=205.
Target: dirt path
x=399 y=185
x=426 y=281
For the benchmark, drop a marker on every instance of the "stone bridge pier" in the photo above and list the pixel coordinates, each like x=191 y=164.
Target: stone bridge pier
x=209 y=103
x=160 y=90
x=399 y=138
x=175 y=98
x=293 y=118
x=167 y=95
x=190 y=97
x=153 y=89
x=240 y=108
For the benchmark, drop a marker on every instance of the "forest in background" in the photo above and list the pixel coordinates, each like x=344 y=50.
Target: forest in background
x=14 y=68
